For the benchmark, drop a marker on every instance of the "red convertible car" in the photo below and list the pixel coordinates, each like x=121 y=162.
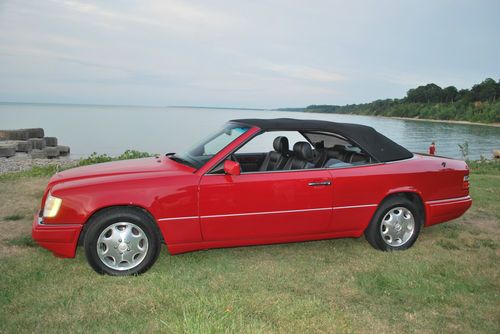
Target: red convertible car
x=255 y=181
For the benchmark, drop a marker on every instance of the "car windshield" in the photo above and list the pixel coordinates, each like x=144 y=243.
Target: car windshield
x=202 y=152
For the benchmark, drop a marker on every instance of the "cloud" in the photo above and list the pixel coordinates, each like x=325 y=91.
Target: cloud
x=248 y=53
x=163 y=14
x=304 y=72
x=411 y=79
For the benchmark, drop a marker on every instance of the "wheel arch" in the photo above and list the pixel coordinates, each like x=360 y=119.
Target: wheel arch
x=413 y=195
x=103 y=210
x=372 y=232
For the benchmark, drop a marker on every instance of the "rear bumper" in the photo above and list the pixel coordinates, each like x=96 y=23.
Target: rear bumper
x=60 y=239
x=447 y=209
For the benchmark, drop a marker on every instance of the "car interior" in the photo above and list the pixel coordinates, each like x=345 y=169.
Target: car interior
x=311 y=150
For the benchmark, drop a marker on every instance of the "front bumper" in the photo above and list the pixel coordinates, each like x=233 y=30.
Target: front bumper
x=60 y=239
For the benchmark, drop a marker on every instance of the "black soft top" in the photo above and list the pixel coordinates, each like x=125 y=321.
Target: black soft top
x=377 y=145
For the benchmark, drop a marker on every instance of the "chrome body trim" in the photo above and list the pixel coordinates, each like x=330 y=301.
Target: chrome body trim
x=264 y=213
x=40 y=222
x=178 y=218
x=354 y=206
x=270 y=212
x=449 y=200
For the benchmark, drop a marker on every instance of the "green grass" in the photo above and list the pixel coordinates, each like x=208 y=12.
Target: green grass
x=35 y=171
x=94 y=158
x=24 y=240
x=484 y=166
x=447 y=283
x=13 y=217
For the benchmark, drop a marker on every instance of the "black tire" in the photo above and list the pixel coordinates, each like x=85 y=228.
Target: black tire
x=104 y=220
x=374 y=234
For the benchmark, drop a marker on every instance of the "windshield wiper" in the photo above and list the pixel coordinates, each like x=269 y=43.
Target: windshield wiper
x=181 y=160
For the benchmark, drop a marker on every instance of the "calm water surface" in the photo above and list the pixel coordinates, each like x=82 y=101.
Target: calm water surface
x=113 y=129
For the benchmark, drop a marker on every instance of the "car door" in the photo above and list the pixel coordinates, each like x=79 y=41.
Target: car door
x=265 y=204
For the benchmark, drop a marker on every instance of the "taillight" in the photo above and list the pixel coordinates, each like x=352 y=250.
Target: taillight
x=465 y=184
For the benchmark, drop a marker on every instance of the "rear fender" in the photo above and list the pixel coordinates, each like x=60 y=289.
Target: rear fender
x=409 y=190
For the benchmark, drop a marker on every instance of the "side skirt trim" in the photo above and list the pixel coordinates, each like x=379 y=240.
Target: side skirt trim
x=270 y=212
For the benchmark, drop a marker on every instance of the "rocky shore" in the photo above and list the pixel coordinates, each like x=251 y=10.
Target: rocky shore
x=23 y=161
x=32 y=141
x=23 y=149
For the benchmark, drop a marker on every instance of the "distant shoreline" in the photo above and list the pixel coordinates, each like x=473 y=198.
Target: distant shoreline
x=221 y=108
x=442 y=121
x=126 y=105
x=496 y=125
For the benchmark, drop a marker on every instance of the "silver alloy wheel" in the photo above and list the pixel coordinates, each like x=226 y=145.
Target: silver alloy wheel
x=122 y=246
x=397 y=227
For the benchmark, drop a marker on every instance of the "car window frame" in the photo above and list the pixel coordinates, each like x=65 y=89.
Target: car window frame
x=336 y=135
x=212 y=170
x=198 y=168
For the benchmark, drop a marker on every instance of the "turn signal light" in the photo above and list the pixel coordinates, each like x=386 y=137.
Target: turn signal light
x=466 y=182
x=51 y=207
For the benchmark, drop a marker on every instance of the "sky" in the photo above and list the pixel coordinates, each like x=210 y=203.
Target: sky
x=256 y=54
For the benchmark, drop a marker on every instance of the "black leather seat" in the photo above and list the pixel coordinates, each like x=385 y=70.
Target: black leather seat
x=302 y=157
x=359 y=159
x=319 y=154
x=276 y=159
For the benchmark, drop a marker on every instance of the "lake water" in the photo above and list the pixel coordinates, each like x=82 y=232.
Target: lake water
x=113 y=129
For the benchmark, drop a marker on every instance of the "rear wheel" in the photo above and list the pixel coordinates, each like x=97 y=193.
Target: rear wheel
x=122 y=241
x=395 y=226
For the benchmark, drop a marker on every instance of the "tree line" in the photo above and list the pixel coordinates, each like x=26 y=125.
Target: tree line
x=481 y=103
x=486 y=91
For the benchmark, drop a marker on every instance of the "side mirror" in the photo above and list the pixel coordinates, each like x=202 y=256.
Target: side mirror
x=232 y=167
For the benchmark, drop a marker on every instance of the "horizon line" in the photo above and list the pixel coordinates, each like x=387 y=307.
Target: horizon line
x=133 y=105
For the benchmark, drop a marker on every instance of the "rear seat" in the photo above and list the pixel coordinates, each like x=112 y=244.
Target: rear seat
x=321 y=154
x=302 y=157
x=358 y=158
x=341 y=156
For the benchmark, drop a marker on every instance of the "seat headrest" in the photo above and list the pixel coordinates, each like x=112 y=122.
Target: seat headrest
x=302 y=150
x=319 y=145
x=280 y=144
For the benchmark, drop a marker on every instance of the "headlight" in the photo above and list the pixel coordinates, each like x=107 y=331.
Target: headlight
x=51 y=207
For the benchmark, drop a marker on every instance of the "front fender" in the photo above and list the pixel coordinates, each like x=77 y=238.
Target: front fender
x=159 y=194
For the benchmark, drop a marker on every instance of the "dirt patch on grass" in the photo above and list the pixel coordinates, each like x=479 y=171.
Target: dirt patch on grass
x=482 y=225
x=12 y=230
x=19 y=199
x=8 y=250
x=15 y=238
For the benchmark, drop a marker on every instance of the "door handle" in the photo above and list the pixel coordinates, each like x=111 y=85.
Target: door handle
x=321 y=183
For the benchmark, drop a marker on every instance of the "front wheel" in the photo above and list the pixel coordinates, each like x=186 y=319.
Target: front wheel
x=395 y=225
x=121 y=241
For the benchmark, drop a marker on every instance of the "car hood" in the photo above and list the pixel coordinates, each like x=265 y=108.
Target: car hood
x=134 y=166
